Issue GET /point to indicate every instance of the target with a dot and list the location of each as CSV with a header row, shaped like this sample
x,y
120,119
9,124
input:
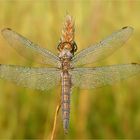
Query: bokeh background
x,y
108,112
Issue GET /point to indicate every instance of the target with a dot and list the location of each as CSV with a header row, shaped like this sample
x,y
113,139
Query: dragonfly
x,y
68,67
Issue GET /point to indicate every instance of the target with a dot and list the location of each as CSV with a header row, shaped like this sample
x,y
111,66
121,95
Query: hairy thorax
x,y
66,52
65,60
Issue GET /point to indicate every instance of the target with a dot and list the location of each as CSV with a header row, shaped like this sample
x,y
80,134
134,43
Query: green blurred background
x,y
108,112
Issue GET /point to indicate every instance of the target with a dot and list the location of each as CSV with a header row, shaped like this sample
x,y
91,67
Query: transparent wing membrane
x,y
100,76
46,78
37,78
103,49
28,49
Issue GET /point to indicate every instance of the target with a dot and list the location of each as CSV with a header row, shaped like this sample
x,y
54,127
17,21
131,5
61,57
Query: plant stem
x,y
55,119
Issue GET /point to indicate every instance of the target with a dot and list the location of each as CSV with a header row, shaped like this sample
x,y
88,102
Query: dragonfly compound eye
x,y
60,47
75,46
65,45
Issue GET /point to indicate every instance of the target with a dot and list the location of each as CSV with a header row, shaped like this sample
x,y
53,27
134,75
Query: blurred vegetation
x,y
108,112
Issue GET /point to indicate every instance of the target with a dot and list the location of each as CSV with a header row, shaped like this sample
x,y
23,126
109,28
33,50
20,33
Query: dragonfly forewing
x,y
37,78
28,49
87,78
102,49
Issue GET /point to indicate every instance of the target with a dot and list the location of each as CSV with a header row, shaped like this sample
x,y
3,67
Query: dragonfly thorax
x,y
65,54
65,65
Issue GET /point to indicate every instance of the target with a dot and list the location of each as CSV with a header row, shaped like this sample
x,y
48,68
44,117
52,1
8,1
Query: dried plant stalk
x,y
55,119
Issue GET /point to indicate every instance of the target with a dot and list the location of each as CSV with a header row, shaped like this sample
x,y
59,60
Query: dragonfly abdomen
x,y
66,89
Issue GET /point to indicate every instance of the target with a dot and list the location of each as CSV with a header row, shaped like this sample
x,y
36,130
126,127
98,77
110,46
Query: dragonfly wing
x,y
103,49
28,49
101,76
37,78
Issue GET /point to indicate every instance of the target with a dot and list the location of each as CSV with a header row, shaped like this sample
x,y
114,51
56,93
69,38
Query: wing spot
x,y
125,27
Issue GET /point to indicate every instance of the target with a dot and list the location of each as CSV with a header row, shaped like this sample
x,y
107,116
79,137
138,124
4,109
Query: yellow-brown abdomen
x,y
66,90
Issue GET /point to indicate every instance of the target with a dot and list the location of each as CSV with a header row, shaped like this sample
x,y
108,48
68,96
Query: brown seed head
x,y
68,30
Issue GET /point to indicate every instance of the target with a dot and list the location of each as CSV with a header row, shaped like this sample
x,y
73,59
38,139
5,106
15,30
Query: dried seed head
x,y
68,30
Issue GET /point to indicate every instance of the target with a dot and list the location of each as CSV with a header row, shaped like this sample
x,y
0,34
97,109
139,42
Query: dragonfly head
x,y
67,49
72,47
